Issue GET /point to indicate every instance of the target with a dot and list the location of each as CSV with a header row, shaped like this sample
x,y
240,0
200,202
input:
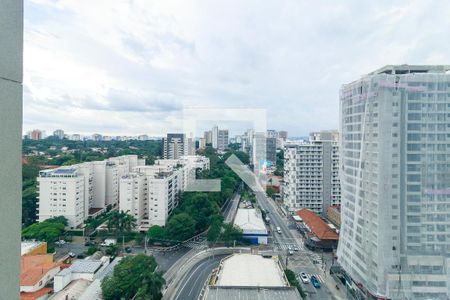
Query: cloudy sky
x,y
131,67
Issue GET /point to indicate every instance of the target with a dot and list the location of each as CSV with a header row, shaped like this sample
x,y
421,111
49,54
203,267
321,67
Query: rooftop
x,y
407,69
251,271
27,246
249,219
34,267
245,293
317,226
85,266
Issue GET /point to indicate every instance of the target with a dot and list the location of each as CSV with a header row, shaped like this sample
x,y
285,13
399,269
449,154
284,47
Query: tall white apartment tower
x,y
395,179
311,173
61,193
215,137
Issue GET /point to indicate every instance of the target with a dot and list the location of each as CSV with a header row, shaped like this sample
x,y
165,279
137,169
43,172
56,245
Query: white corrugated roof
x,y
250,270
249,219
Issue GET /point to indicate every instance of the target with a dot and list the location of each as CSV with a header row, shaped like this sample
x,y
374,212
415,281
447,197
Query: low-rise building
x,y
252,225
334,214
36,272
84,270
318,233
249,276
32,248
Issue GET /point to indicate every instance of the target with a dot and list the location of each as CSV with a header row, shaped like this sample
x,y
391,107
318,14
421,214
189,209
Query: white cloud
x,y
130,66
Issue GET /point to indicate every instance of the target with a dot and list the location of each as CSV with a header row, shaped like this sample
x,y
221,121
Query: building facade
x,y
59,133
174,146
395,174
222,140
311,174
80,190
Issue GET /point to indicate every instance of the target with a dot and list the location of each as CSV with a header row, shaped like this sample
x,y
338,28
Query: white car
x,y
304,278
60,242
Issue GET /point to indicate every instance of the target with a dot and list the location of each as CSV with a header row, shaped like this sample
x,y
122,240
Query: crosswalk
x,y
285,246
198,245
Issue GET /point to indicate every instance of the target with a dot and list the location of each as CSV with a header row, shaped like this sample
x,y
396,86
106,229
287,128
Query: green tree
x,y
48,231
134,276
290,275
270,191
120,222
156,233
230,233
180,227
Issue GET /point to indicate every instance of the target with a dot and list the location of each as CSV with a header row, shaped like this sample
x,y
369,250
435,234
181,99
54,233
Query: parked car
x,y
304,278
60,242
296,248
290,252
315,282
108,242
71,254
128,249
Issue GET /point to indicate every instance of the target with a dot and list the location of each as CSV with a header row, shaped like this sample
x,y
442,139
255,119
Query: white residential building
x,y
164,185
395,177
133,195
61,193
215,137
81,190
311,173
159,187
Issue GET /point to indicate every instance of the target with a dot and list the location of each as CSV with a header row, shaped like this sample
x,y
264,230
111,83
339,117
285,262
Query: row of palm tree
x,y
120,222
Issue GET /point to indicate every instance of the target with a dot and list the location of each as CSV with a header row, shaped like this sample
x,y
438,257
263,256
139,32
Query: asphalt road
x,y
298,262
192,285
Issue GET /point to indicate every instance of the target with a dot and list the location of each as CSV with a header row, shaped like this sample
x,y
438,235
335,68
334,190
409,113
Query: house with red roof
x,y
318,233
36,272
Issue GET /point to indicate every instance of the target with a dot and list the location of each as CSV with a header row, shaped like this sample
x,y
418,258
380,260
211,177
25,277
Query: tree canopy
x,y
134,276
48,231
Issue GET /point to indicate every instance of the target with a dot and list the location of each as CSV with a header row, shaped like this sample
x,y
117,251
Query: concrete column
x,y
11,49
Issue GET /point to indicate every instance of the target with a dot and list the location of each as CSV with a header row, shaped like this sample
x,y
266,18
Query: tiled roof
x,y
35,295
317,225
34,267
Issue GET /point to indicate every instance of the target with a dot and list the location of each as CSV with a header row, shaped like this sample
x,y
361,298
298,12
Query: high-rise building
x,y
59,133
97,137
75,137
133,193
263,151
174,146
190,145
222,140
311,173
395,176
215,137
166,179
202,143
271,151
208,137
36,134
281,139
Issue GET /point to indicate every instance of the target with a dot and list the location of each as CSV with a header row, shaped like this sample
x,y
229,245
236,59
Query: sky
x,y
133,67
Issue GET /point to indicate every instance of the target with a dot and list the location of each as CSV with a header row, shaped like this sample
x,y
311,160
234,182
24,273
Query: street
x,y
192,285
302,260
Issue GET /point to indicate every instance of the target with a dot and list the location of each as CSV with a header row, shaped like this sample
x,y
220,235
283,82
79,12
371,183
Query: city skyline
x,y
154,60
